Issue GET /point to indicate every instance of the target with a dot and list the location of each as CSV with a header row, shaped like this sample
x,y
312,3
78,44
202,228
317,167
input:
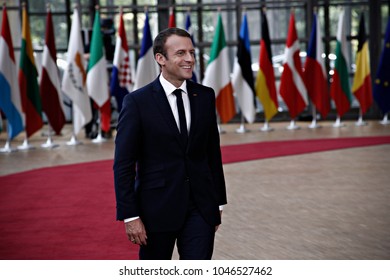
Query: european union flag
x,y
382,79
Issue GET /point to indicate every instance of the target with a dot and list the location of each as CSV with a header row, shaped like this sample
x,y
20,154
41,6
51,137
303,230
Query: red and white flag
x,y
121,82
292,86
52,104
172,18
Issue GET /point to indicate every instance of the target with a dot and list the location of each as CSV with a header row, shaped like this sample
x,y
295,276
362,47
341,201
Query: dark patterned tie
x,y
182,116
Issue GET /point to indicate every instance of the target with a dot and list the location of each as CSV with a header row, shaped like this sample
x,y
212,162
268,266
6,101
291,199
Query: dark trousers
x,y
195,241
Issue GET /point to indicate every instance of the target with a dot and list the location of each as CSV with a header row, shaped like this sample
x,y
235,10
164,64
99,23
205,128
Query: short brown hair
x,y
161,38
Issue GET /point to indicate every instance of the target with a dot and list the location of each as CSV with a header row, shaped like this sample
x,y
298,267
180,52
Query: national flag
x,y
188,27
217,75
10,102
292,86
314,71
362,87
265,80
147,68
97,76
172,19
242,78
50,88
121,82
28,81
73,82
340,89
382,79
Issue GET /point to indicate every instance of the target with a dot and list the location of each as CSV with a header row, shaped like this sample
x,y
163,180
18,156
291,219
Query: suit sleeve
x,y
127,143
215,157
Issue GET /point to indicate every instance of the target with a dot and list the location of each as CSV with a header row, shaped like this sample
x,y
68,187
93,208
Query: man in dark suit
x,y
169,180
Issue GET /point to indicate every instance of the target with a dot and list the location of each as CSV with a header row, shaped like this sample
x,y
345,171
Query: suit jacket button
x,y
187,179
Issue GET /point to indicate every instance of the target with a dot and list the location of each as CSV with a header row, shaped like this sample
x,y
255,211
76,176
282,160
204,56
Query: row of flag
x,y
23,100
300,84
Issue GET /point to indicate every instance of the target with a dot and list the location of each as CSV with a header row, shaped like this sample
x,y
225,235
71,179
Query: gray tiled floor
x,y
328,205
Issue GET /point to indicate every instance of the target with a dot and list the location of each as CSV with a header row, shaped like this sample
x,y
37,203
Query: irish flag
x,y
340,89
28,81
217,75
265,80
361,86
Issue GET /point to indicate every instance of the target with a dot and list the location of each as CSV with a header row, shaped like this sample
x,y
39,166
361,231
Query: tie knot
x,y
177,92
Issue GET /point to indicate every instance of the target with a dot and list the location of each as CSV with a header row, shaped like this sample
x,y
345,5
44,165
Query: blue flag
x,y
121,81
10,99
147,67
382,79
191,32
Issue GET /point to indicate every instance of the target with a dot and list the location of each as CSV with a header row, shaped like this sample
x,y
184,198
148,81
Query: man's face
x,y
179,60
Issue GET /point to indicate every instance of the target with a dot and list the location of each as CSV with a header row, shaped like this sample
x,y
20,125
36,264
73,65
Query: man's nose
x,y
189,56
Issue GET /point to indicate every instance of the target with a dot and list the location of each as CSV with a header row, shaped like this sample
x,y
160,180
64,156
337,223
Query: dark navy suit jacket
x,y
155,174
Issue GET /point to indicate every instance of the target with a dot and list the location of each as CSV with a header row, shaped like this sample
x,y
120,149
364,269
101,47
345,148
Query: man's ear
x,y
160,59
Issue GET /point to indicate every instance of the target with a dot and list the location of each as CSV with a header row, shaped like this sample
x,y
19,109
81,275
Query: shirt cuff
x,y
130,219
220,207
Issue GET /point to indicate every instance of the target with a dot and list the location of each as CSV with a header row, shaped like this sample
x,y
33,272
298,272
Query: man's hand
x,y
216,227
135,231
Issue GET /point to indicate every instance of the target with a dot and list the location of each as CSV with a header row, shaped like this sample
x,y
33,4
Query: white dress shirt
x,y
169,89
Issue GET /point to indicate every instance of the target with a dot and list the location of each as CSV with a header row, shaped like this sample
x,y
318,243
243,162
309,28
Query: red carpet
x,y
262,150
68,212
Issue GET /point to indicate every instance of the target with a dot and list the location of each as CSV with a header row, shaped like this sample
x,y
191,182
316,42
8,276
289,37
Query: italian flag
x,y
217,75
28,81
97,75
340,89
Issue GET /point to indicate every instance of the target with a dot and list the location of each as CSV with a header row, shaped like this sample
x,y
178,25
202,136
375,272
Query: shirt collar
x,y
169,88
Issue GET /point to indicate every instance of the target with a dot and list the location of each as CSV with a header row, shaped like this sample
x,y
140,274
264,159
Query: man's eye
x,y
181,53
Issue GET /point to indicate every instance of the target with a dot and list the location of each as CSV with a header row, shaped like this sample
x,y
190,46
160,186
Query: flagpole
x,y
242,128
360,121
73,140
7,147
220,129
385,120
338,122
26,145
314,121
266,127
99,138
49,144
292,125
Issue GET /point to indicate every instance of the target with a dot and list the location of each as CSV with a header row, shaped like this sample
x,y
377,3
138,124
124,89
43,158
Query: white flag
x,y
74,80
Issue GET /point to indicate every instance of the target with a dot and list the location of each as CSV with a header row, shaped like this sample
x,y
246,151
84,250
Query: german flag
x,y
265,80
